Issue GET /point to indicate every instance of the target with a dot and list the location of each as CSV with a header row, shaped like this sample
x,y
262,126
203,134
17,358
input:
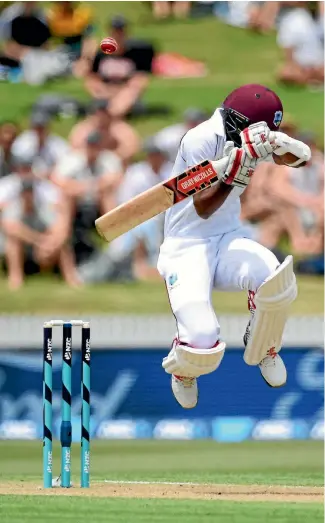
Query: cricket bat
x,y
158,199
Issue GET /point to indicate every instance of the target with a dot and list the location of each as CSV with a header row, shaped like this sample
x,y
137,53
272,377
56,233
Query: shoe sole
x,y
186,408
273,386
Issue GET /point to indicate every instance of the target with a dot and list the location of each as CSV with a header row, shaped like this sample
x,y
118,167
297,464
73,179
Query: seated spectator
x,y
71,23
162,10
263,16
118,136
22,27
25,53
298,199
134,254
303,50
47,148
259,16
123,76
36,225
8,134
169,138
89,179
257,202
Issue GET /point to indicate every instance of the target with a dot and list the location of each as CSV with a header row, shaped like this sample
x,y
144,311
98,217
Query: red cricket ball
x,y
108,45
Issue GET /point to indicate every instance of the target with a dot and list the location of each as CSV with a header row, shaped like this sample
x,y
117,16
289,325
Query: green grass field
x,y
259,469
233,56
18,509
43,295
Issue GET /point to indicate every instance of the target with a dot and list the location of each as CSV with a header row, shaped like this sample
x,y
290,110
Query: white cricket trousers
x,y
191,268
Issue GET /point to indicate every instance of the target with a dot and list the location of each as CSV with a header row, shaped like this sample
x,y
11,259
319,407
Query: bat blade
x,y
158,199
134,212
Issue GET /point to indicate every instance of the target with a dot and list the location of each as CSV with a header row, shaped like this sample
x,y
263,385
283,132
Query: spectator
x,y
8,134
263,16
169,138
133,255
142,175
257,202
162,10
71,23
47,148
303,50
298,204
122,77
118,136
89,179
260,16
26,53
36,225
23,27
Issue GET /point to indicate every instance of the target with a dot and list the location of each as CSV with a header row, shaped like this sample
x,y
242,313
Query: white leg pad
x,y
192,363
272,301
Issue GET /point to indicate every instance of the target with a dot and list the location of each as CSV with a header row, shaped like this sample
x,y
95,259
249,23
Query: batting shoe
x,y
185,391
273,369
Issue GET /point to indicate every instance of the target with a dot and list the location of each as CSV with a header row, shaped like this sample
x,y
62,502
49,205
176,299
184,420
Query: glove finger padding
x,y
255,140
284,144
239,169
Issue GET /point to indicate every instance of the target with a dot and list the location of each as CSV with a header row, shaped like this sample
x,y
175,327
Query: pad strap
x,y
190,362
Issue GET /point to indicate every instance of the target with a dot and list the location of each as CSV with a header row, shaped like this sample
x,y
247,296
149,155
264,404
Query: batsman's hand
x,y
240,166
256,141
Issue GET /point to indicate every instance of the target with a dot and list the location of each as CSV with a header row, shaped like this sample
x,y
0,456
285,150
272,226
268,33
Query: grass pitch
x,y
243,483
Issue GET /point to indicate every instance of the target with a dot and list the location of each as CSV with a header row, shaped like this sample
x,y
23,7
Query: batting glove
x,y
255,141
240,166
284,144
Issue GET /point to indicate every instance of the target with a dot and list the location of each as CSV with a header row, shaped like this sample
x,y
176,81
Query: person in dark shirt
x,y
122,77
22,27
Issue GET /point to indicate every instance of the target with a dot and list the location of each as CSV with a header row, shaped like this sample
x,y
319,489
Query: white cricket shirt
x,y
204,142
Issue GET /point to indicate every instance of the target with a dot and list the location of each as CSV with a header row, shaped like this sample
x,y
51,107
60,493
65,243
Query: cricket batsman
x,y
205,246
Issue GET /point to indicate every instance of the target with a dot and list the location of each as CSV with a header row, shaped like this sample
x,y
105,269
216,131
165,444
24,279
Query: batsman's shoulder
x,y
200,142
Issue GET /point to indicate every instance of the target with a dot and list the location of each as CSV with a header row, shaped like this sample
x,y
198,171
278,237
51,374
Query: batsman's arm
x,y
207,202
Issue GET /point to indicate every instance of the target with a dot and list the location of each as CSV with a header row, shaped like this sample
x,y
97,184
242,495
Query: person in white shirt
x,y
169,138
89,179
91,175
134,254
36,225
300,39
118,135
205,245
47,148
8,134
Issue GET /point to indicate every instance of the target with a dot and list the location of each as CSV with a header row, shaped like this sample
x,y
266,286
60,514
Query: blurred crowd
x,y
299,27
52,189
40,43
